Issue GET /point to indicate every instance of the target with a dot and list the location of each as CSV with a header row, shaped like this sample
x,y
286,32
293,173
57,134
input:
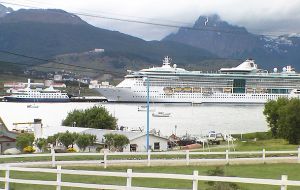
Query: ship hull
x,y
157,95
15,99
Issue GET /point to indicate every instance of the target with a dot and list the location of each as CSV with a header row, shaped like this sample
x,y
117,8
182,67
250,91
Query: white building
x,y
95,84
49,83
137,139
98,50
57,77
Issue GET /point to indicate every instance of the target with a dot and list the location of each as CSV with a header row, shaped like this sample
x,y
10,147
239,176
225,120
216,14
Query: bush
x,y
283,117
71,150
85,140
28,149
116,141
215,185
24,139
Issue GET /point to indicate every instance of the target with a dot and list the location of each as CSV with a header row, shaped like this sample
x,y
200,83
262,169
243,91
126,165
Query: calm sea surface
x,y
196,120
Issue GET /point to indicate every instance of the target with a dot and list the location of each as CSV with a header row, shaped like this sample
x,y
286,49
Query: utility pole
x,y
78,87
148,123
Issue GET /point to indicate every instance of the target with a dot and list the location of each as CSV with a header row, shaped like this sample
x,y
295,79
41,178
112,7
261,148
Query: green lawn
x,y
271,144
272,171
253,145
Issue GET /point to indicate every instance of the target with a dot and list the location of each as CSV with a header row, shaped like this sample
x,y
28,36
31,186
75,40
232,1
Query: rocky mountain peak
x,y
214,22
5,10
215,35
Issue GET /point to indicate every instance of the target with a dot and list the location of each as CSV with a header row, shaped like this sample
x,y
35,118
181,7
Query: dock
x,y
88,99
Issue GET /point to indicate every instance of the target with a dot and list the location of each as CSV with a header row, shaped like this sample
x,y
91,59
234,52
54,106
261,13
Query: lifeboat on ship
x,y
196,90
227,90
177,89
187,89
168,90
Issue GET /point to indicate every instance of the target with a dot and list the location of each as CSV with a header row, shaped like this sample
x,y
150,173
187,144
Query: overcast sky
x,y
258,16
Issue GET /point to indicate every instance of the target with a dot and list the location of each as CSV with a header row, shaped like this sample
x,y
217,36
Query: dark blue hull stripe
x,y
13,99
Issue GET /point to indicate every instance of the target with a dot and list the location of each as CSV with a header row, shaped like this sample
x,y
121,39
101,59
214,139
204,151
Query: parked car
x,y
215,138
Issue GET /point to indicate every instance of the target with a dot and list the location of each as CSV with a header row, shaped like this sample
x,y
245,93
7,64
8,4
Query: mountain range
x,y
55,33
230,41
210,44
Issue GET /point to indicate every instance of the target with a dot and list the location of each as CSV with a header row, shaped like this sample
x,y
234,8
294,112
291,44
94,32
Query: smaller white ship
x,y
32,106
37,95
161,114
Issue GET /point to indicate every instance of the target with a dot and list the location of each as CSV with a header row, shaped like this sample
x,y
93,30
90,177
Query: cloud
x,y
267,16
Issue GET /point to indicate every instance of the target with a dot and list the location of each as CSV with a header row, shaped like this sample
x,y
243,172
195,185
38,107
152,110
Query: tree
x,y
95,117
271,111
24,139
116,141
85,140
283,117
52,140
120,142
41,143
67,138
109,140
289,121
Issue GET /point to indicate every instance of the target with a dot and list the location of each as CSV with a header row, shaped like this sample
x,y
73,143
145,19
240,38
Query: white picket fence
x,y
223,157
283,183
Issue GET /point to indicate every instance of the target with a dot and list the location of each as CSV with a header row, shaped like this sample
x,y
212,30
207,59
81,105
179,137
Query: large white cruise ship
x,y
170,84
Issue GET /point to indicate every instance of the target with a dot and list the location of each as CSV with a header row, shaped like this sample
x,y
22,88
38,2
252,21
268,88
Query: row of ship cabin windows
x,y
42,96
248,97
146,91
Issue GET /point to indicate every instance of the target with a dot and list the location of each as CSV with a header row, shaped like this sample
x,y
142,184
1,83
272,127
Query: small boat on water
x,y
32,106
196,103
144,108
161,114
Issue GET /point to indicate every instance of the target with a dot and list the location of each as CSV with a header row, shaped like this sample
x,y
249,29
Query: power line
x,y
207,28
60,63
111,13
23,64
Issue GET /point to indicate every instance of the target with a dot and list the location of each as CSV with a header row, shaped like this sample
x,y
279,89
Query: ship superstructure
x,y
37,95
168,83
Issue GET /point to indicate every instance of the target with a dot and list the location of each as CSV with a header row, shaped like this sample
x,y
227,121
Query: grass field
x,y
272,171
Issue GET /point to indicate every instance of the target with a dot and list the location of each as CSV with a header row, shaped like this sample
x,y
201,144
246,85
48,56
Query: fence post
x,y
53,156
58,178
227,157
195,180
7,178
105,158
264,155
298,154
187,157
129,178
149,158
283,182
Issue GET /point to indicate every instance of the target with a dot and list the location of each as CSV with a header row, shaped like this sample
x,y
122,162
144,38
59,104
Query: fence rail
x,y
184,157
283,183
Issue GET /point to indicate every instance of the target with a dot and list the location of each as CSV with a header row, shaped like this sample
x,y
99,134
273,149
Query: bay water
x,y
191,119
